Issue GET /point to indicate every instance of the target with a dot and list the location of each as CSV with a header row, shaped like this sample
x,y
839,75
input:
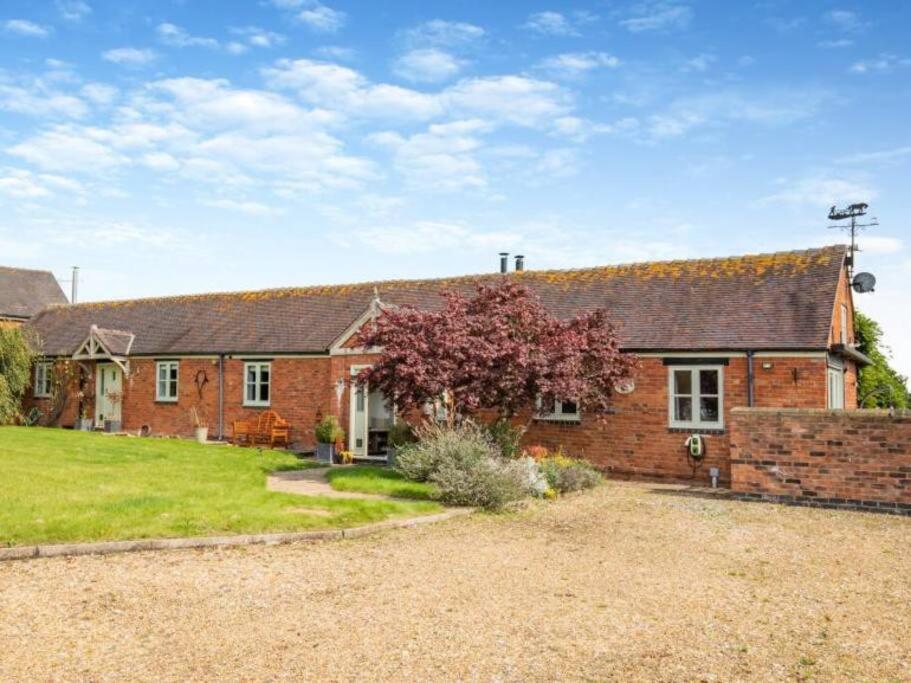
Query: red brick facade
x,y
820,457
635,440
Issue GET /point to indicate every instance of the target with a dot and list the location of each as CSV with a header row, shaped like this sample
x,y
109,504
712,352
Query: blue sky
x,y
183,146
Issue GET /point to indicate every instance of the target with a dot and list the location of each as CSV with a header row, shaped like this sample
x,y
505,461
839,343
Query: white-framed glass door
x,y
370,419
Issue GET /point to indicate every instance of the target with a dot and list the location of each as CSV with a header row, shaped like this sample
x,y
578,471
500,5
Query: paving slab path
x,y
312,482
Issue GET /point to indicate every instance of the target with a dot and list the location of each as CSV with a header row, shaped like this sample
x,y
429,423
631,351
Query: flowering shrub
x,y
438,444
537,452
565,474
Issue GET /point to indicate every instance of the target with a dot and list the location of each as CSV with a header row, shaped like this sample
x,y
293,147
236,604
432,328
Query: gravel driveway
x,y
630,582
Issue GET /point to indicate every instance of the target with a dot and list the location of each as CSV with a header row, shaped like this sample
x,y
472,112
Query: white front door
x,y
357,437
108,392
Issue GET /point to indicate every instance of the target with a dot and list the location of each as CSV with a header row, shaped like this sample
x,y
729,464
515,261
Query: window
x,y
696,397
567,411
43,375
844,324
257,380
836,385
166,386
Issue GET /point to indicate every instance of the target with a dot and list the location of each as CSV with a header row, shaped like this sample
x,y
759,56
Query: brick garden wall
x,y
858,459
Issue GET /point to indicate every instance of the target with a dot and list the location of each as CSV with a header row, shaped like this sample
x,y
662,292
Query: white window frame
x,y
560,413
43,384
257,383
167,365
835,388
696,423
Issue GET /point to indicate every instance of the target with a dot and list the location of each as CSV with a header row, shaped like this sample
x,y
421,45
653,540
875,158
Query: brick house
x,y
24,292
770,330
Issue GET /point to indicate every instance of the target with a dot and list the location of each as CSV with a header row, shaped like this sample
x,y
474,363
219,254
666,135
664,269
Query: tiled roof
x,y
769,301
25,292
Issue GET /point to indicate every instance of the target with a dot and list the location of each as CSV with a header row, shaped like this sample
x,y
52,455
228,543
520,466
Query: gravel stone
x,y
628,582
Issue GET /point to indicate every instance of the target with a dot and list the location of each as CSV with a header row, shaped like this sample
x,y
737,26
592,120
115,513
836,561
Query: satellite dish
x,y
863,283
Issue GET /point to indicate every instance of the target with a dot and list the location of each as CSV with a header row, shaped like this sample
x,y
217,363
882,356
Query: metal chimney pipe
x,y
504,261
520,263
74,291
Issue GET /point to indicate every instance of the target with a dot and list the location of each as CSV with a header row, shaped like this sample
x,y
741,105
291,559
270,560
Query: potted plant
x,y
83,423
200,426
115,398
400,434
328,434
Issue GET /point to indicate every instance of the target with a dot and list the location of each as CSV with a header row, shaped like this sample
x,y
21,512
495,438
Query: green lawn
x,y
60,486
381,480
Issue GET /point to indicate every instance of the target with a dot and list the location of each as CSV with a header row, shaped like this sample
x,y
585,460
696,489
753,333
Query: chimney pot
x,y
504,261
520,263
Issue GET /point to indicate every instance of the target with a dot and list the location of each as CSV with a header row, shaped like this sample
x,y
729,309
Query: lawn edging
x,y
28,552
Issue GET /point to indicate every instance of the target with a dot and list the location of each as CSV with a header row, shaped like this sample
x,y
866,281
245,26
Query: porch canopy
x,y
106,345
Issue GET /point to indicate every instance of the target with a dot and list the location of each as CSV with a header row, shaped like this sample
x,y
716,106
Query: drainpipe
x,y
221,396
749,379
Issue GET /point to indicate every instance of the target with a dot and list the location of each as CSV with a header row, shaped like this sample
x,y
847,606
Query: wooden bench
x,y
269,429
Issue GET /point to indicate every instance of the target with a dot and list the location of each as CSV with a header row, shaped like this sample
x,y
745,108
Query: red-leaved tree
x,y
500,350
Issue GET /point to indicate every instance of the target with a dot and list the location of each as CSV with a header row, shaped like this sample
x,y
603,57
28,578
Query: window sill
x,y
555,419
256,405
167,401
696,430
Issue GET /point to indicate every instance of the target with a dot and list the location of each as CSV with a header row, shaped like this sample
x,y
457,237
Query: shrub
x,y
566,474
437,444
506,438
400,434
486,482
537,452
16,356
328,430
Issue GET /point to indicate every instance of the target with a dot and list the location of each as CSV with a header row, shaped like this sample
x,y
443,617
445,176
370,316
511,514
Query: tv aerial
x,y
862,282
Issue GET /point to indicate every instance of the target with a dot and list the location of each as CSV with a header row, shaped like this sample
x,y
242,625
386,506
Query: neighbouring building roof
x,y
769,301
25,292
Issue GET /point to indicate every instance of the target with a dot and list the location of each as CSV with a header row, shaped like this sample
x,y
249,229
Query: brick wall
x,y
819,457
635,439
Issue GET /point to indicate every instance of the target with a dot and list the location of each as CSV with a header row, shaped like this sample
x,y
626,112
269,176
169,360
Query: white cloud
x,y
835,44
36,99
438,32
99,93
130,56
550,23
440,158
336,52
23,27
22,184
428,235
579,130
427,66
339,88
73,10
321,18
658,15
175,36
845,20
258,37
770,108
573,64
112,233
517,100
68,148
882,64
821,191
885,156
248,207
700,63
879,244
